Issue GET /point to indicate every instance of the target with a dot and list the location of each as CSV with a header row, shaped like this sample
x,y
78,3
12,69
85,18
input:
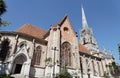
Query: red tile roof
x,y
83,49
32,31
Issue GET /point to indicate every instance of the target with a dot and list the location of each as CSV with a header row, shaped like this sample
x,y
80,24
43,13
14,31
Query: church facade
x,y
32,52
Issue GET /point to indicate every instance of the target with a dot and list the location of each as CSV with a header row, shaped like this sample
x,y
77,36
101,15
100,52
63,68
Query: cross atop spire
x,y
84,21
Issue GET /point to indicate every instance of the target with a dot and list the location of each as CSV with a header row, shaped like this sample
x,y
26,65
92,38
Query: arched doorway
x,y
18,64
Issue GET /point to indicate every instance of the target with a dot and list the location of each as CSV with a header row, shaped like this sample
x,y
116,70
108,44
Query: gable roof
x,y
22,35
60,23
63,20
83,49
32,31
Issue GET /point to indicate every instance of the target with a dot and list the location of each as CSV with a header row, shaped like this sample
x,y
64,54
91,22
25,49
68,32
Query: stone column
x,y
26,68
104,65
10,65
13,44
99,68
84,65
102,68
96,67
76,52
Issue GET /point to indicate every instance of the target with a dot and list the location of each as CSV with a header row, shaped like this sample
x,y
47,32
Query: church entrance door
x,y
88,75
18,64
18,68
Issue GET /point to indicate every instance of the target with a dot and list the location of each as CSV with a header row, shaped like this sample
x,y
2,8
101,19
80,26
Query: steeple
x,y
84,21
86,35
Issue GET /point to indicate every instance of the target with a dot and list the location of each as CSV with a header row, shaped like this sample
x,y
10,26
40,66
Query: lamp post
x,y
54,62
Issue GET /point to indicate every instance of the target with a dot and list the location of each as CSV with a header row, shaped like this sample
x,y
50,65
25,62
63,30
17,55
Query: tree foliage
x,y
2,11
106,75
2,7
64,74
5,76
114,69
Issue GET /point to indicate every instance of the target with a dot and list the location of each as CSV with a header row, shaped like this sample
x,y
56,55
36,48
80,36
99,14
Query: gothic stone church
x,y
32,52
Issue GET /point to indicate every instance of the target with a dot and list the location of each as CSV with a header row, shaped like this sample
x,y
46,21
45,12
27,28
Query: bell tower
x,y
86,35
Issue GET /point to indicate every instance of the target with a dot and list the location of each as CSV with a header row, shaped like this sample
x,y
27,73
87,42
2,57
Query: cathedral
x,y
32,52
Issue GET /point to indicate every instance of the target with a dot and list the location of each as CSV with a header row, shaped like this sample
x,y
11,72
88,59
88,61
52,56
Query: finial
x,y
66,14
104,50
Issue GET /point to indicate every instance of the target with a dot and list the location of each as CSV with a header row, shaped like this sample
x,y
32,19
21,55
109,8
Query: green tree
x,y
115,70
2,7
64,74
106,75
4,76
2,11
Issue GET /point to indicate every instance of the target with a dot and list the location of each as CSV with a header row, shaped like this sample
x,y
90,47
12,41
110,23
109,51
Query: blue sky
x,y
103,17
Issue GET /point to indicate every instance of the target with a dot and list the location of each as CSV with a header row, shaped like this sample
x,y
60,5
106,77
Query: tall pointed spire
x,y
84,21
86,34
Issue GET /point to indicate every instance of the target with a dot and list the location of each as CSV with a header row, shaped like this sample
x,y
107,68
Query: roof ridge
x,y
32,30
28,24
83,48
62,20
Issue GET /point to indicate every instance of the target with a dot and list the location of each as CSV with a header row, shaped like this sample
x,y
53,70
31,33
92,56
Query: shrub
x,y
4,76
64,74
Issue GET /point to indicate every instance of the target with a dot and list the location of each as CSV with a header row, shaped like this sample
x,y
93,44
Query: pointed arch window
x,y
91,39
81,66
37,56
84,41
98,69
4,49
93,67
22,44
87,62
102,67
88,66
66,54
